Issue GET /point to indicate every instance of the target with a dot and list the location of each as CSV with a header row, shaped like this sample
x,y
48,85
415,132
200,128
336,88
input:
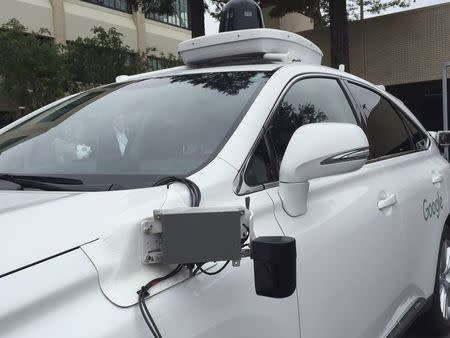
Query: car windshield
x,y
132,134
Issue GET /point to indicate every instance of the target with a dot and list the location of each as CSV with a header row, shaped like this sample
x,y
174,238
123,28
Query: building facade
x,y
404,51
68,19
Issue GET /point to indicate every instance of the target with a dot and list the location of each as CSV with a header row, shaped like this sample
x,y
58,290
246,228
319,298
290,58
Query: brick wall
x,y
405,47
294,22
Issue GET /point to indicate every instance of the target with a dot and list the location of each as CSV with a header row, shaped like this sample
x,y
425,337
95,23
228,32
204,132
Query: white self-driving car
x,y
252,121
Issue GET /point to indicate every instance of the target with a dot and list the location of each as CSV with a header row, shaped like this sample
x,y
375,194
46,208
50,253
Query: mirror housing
x,y
318,150
275,266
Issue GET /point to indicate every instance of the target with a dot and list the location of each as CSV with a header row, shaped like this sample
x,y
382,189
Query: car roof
x,y
296,68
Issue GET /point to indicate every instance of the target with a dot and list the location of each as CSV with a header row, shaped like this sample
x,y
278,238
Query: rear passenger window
x,y
419,139
384,128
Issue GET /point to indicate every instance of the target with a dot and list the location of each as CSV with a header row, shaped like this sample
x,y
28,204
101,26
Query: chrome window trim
x,y
347,156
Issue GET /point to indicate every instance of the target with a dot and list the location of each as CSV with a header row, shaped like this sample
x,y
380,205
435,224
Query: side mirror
x,y
318,150
275,266
443,138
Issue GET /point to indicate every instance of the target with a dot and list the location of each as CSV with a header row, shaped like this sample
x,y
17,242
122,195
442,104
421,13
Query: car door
x,y
427,210
417,181
347,282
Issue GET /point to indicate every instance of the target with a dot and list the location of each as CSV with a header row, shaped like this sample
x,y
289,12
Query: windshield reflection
x,y
225,83
133,133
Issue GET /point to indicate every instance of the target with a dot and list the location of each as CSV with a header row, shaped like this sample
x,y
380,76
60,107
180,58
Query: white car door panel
x,y
415,173
338,277
347,246
425,206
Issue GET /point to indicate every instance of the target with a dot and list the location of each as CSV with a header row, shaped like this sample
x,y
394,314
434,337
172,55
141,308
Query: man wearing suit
x,y
113,144
121,131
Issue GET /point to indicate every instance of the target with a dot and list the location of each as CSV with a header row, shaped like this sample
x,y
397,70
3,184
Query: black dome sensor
x,y
241,14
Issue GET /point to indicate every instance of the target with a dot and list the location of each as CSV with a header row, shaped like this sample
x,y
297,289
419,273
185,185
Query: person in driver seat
x,y
113,142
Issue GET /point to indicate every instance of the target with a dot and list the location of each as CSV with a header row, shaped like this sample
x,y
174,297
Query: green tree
x,y
357,8
165,60
226,83
32,72
98,59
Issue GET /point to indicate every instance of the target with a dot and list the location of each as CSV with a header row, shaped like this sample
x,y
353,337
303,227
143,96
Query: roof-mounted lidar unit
x,y
241,14
244,40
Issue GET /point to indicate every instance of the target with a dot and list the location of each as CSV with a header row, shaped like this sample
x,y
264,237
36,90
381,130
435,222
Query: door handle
x,y
387,202
437,178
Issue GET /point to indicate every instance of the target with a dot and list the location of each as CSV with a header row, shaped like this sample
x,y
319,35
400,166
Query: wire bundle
x,y
143,306
194,190
196,196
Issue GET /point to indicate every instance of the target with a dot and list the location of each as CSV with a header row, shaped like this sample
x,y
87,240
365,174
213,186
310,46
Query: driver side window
x,y
311,100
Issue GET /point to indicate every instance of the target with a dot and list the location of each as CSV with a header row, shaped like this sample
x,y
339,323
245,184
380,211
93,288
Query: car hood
x,y
37,225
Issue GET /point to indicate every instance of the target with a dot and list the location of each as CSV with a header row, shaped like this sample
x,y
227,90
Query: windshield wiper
x,y
51,183
46,179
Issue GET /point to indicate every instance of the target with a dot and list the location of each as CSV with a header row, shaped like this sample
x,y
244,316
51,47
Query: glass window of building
x,y
120,5
155,64
179,18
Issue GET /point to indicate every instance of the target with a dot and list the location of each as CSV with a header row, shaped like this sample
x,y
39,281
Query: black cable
x,y
195,197
246,237
151,318
194,190
199,268
160,279
153,327
144,312
247,228
143,292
